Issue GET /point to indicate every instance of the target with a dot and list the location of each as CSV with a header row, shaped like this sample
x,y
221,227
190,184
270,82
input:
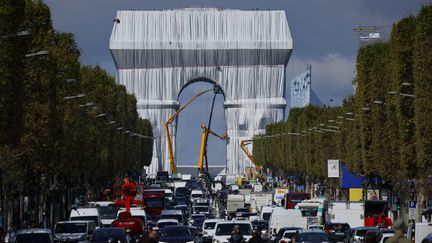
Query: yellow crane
x,y
243,144
168,123
203,147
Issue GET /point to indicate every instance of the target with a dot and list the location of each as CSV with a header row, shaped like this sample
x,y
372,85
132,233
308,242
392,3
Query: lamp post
x,y
39,53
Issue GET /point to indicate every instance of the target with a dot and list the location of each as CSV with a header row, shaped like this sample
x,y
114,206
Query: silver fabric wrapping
x,y
157,53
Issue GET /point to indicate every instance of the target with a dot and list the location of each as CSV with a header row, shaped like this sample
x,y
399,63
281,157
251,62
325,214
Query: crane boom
x,y
243,145
203,147
170,120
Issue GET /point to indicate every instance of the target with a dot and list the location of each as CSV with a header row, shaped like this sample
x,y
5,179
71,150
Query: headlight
x,y
190,242
216,241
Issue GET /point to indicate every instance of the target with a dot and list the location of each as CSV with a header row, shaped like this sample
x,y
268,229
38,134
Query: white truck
x,y
346,212
314,210
422,230
178,184
186,177
234,201
281,218
259,200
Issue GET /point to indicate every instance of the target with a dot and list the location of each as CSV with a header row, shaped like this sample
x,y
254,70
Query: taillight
x,y
283,241
329,231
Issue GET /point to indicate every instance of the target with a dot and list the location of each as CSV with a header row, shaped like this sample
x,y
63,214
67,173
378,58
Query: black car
x,y
198,222
337,231
178,234
103,235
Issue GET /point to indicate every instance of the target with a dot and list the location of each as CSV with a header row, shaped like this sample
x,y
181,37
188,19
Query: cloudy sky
x,y
321,30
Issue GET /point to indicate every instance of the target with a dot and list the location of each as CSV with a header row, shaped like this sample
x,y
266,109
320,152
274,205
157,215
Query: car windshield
x,y
84,218
297,197
196,216
361,232
154,202
33,238
313,237
289,235
141,217
309,211
263,225
196,195
209,225
176,232
338,227
163,224
108,212
70,228
179,217
227,229
106,234
182,190
242,210
266,216
201,209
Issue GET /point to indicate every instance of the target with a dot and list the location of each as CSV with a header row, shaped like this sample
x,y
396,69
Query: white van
x,y
196,194
266,213
81,231
89,213
107,210
281,218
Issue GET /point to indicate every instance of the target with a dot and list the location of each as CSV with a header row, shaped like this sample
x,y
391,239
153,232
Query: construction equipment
x,y
168,123
243,145
203,147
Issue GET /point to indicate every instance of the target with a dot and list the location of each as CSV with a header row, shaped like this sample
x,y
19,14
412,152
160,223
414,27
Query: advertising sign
x,y
333,168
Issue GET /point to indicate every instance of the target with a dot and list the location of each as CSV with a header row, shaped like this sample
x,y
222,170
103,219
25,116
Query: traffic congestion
x,y
223,209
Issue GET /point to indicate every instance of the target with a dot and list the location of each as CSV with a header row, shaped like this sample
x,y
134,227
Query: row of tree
x,y
384,130
56,144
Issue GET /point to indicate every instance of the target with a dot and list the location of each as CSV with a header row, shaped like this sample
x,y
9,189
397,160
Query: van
x,y
86,213
80,231
266,213
173,214
281,218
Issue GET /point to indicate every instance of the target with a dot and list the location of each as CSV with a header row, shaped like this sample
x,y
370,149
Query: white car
x,y
136,212
287,236
385,237
208,229
166,222
169,194
86,213
224,229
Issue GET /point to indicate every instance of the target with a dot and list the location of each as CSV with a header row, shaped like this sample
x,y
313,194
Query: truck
x,y
186,177
314,210
359,214
279,195
154,203
234,201
281,218
292,198
259,200
422,230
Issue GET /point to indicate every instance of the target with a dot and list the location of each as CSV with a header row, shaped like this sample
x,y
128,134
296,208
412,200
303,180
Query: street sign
x,y
333,168
412,205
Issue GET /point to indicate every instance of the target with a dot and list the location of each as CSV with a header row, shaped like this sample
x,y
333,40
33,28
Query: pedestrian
x,y
11,235
129,237
400,228
370,238
256,237
236,236
152,237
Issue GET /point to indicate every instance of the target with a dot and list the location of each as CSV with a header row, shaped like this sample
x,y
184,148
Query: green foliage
x,y
383,129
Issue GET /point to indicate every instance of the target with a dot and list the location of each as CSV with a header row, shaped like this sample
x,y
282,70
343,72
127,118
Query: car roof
x,y
34,231
110,229
234,222
167,221
172,211
212,220
75,221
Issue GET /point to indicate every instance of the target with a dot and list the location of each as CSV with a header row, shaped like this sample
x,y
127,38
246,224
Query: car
x,y
81,231
198,222
184,209
136,212
166,222
385,236
223,230
208,229
316,227
337,231
261,226
196,194
179,234
109,234
201,209
107,210
195,216
313,236
288,235
357,234
169,194
281,232
34,235
173,214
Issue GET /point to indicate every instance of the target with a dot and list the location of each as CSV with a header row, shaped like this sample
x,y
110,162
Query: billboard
x,y
333,168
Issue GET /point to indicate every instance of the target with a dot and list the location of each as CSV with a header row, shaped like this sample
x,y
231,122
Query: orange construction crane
x,y
203,147
243,144
168,123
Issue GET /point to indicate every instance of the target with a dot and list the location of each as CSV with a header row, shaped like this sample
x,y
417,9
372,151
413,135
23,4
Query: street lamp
x,y
74,97
407,95
101,115
87,104
366,108
39,53
111,122
379,102
406,84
